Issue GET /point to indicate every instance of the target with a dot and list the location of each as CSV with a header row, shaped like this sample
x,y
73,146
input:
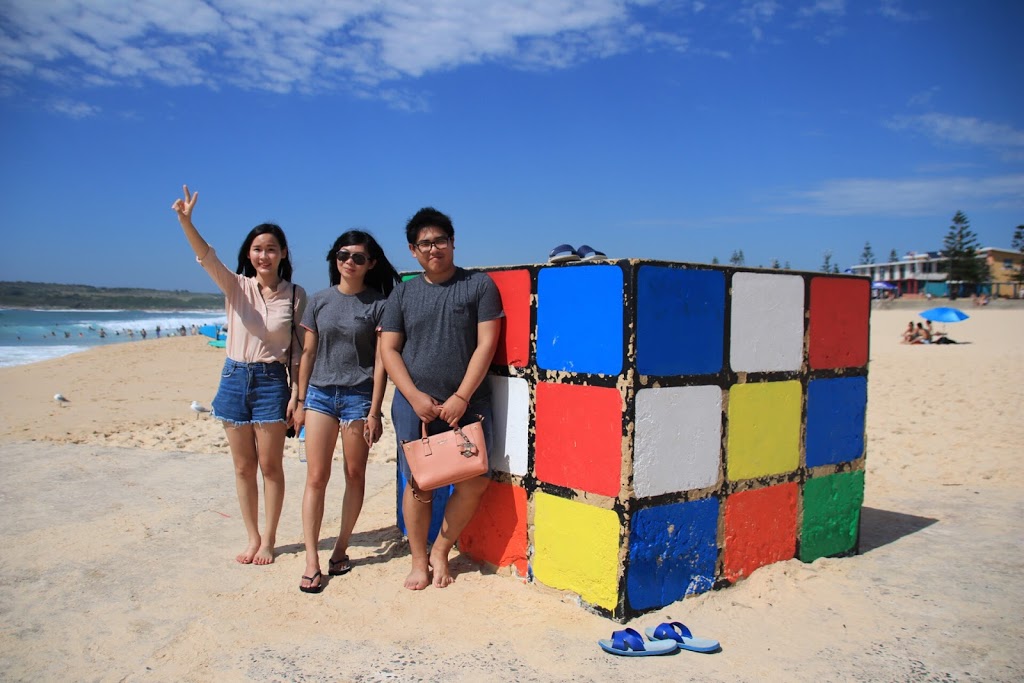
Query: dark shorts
x,y
407,426
344,404
251,393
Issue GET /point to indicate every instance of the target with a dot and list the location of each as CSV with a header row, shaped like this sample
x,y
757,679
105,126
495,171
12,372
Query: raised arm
x,y
220,274
184,208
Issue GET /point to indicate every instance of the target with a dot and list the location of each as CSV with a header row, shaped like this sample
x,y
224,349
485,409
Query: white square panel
x,y
678,439
767,330
510,401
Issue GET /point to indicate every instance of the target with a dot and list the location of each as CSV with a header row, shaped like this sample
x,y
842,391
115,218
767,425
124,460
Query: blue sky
x,y
679,130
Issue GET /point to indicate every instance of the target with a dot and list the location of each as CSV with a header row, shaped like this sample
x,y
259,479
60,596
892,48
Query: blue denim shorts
x,y
407,426
344,404
252,393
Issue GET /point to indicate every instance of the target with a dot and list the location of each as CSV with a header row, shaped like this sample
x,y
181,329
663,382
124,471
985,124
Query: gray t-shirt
x,y
439,323
346,325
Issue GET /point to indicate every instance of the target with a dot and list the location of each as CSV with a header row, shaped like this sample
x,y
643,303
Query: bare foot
x,y
439,564
419,577
247,555
265,555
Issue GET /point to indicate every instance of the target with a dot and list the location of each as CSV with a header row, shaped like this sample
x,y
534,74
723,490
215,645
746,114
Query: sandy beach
x,y
121,527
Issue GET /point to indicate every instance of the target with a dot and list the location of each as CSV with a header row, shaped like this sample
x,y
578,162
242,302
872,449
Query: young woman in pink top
x,y
257,393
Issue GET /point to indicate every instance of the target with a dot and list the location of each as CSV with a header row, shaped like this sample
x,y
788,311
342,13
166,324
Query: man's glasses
x,y
358,258
438,243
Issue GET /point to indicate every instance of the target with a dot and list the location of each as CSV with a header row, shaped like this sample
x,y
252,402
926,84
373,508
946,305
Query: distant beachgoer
x,y
103,333
195,330
922,335
66,334
157,331
258,394
341,386
142,332
909,333
181,331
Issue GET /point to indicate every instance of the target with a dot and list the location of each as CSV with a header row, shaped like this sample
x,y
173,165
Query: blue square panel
x,y
835,420
580,319
680,321
672,552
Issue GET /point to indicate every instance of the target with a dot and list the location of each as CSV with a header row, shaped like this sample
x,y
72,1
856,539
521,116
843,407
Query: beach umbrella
x,y
882,285
944,314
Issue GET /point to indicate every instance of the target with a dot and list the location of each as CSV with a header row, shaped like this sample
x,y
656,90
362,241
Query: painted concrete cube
x,y
662,429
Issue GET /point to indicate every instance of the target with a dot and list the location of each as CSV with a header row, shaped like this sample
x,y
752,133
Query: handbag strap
x,y
423,427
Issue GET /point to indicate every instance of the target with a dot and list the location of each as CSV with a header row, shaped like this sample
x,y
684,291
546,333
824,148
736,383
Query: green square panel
x,y
831,515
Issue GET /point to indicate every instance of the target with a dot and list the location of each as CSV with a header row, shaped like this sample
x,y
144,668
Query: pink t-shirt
x,y
259,322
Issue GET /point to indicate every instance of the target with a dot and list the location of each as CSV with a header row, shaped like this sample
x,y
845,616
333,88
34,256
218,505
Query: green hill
x,y
50,295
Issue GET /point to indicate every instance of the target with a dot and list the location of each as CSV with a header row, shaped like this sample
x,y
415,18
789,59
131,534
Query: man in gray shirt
x,y
439,334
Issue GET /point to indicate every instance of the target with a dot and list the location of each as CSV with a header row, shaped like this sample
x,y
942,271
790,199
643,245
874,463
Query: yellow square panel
x,y
763,429
576,548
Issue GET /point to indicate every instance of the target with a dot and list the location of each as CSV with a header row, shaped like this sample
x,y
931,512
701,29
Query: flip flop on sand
x,y
562,254
311,588
629,643
679,634
344,568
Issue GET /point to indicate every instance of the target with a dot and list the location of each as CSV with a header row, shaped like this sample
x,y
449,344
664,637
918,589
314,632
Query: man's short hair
x,y
428,217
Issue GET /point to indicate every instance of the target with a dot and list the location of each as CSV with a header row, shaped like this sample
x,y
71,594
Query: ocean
x,y
29,335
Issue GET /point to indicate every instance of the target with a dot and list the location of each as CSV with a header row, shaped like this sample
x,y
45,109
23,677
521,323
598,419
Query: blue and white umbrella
x,y
882,285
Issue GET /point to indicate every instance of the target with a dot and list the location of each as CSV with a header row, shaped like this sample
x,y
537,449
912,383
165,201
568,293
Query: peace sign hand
x,y
184,207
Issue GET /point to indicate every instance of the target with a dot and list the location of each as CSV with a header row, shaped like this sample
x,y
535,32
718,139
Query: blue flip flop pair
x,y
564,253
664,639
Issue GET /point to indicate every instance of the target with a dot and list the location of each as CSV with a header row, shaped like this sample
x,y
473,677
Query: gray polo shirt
x,y
439,323
346,325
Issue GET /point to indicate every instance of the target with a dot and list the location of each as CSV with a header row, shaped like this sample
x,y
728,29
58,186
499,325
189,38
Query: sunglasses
x,y
358,258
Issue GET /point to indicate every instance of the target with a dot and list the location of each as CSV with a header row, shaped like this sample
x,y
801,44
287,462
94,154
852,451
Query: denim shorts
x,y
407,426
344,404
252,393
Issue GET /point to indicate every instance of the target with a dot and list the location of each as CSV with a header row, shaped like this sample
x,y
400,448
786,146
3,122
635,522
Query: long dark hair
x,y
284,269
383,277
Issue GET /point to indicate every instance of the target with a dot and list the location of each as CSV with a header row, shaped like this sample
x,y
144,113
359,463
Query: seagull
x,y
198,408
59,398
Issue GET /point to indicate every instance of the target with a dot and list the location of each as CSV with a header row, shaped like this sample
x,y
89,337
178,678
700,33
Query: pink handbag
x,y
447,458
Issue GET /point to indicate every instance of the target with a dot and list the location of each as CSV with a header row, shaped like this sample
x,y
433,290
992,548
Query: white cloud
x,y
963,130
305,45
906,196
74,110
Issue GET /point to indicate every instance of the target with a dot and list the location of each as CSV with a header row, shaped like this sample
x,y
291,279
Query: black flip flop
x,y
311,588
346,566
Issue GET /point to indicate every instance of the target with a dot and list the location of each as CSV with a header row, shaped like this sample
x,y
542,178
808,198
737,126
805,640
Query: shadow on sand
x,y
882,527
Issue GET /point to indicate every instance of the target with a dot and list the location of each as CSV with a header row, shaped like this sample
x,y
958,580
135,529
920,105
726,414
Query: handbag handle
x,y
469,449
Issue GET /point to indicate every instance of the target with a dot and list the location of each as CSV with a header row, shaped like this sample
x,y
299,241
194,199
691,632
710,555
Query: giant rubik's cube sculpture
x,y
665,428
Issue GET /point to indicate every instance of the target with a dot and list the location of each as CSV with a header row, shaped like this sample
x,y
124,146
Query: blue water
x,y
28,336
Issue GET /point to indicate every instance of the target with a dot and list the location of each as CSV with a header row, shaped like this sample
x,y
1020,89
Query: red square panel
x,y
514,342
760,528
579,437
840,308
497,532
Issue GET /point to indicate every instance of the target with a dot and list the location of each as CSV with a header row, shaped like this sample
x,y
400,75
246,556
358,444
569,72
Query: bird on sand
x,y
59,398
198,409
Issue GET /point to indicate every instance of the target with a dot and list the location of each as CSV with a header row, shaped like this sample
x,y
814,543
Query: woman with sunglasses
x,y
341,389
257,393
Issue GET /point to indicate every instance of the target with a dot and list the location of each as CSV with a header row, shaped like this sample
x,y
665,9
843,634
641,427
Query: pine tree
x,y
775,264
961,248
786,267
893,256
826,266
867,256
737,258
714,260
